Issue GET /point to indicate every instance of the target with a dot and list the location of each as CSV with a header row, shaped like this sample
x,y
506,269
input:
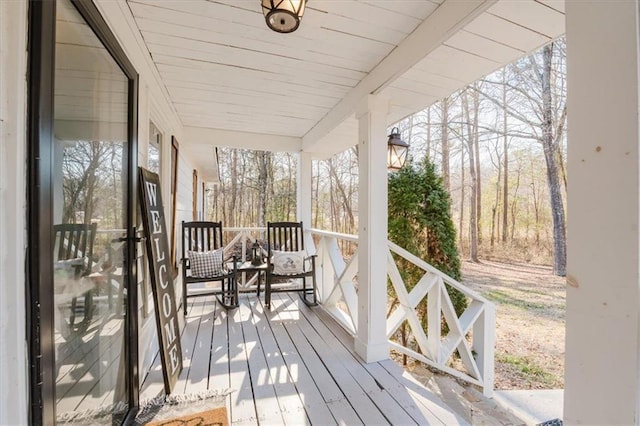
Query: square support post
x,y
304,195
602,379
371,338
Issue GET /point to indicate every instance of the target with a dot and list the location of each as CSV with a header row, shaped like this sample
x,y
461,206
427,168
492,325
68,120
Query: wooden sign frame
x,y
164,296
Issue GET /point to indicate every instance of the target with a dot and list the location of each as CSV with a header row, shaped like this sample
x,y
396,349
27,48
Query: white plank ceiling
x,y
225,70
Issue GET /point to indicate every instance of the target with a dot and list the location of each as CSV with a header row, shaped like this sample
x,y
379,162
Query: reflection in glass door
x,y
90,178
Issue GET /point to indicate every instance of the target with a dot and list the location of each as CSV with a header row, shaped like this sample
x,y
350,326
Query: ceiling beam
x,y
446,20
244,140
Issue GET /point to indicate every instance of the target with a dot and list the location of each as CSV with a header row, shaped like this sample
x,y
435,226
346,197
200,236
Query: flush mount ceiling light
x,y
396,150
283,16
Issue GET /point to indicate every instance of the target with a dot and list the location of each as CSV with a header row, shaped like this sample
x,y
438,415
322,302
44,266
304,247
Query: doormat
x,y
183,409
215,417
156,410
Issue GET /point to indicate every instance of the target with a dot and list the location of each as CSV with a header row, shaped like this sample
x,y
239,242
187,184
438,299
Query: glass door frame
x,y
39,265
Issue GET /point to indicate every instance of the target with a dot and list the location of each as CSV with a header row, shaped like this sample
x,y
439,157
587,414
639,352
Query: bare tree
x,y
446,174
505,150
473,212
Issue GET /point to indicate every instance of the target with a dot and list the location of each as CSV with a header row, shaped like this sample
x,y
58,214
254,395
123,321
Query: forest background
x,y
499,144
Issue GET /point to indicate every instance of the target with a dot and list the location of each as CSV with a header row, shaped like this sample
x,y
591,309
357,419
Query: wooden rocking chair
x,y
199,242
287,260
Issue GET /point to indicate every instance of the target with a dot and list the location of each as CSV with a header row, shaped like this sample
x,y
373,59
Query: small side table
x,y
258,269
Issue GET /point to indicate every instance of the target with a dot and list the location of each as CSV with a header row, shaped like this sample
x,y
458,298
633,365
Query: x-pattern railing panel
x,y
435,350
340,287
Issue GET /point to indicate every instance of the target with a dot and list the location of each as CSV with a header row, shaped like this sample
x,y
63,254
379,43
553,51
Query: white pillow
x,y
288,262
205,264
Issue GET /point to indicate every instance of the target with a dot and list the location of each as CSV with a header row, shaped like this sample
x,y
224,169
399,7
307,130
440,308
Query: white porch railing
x,y
245,237
471,334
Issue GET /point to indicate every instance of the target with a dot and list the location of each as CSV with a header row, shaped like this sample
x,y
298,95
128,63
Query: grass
x,y
527,369
507,299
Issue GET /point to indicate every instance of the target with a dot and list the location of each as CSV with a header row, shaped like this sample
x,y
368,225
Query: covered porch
x,y
292,365
209,73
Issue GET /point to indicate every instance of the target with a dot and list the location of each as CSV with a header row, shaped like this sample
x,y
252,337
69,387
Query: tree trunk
x,y
494,209
346,200
462,183
476,144
317,197
445,144
553,179
428,145
505,166
473,218
514,205
234,188
263,177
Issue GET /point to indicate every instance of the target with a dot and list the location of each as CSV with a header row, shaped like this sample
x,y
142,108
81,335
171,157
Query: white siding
x,y
13,353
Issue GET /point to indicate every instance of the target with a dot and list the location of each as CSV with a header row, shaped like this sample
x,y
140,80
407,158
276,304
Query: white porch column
x,y
602,384
371,339
303,189
303,197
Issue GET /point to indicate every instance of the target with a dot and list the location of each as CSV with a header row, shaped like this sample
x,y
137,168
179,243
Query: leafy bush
x,y
420,222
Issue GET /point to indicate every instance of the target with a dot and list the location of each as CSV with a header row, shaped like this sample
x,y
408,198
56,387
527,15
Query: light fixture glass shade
x,y
396,150
283,16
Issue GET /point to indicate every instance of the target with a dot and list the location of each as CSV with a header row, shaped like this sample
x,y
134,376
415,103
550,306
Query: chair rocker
x,y
199,242
287,260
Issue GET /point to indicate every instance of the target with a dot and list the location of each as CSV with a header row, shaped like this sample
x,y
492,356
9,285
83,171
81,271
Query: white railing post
x,y
484,347
329,272
434,312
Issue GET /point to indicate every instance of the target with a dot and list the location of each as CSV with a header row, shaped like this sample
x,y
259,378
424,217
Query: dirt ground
x,y
530,322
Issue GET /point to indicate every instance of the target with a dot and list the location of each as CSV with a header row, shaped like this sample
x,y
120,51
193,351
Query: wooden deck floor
x,y
292,365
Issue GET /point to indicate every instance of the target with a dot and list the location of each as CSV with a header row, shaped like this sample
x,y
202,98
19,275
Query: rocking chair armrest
x,y
311,260
234,261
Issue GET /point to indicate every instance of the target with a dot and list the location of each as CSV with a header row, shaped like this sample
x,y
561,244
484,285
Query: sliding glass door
x,y
87,199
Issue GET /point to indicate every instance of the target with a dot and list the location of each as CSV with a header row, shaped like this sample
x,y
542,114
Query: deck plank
x,y
188,341
337,402
197,366
334,362
219,377
314,403
352,367
293,365
242,405
264,393
422,413
289,400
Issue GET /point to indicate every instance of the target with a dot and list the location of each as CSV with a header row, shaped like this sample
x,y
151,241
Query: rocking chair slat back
x,y
203,236
285,236
75,240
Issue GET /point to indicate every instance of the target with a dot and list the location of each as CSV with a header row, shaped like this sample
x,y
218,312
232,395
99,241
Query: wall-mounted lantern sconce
x,y
283,16
396,150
